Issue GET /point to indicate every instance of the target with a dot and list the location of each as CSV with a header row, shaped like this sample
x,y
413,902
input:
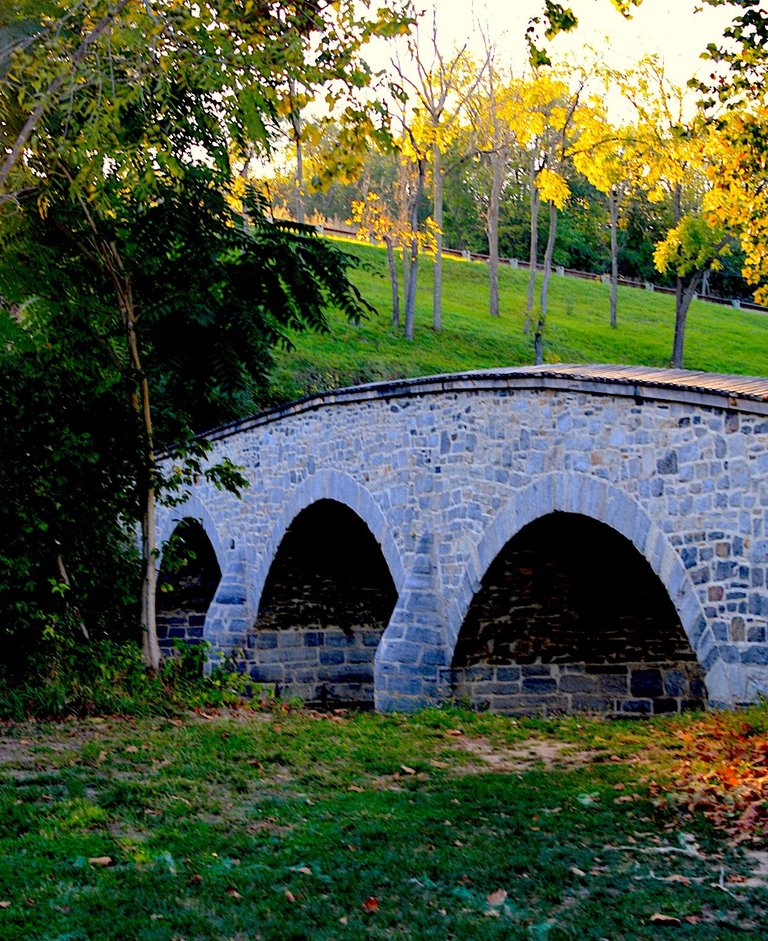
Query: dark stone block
x,y
266,673
636,707
690,557
664,705
667,464
676,683
692,705
196,620
435,656
313,638
539,684
536,669
578,683
330,657
646,683
580,703
755,655
697,688
337,639
507,674
613,683
266,640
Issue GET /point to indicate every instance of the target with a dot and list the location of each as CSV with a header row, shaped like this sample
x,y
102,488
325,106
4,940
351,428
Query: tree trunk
x,y
394,280
141,405
683,297
533,255
497,164
295,119
538,340
410,293
613,204
413,258
437,215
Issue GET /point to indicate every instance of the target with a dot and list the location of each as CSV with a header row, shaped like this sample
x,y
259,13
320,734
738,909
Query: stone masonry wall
x,y
445,471
627,689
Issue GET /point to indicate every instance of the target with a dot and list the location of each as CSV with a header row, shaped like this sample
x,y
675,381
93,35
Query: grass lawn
x,y
355,826
719,338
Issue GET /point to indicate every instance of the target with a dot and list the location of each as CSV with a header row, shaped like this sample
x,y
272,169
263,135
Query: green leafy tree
x,y
124,126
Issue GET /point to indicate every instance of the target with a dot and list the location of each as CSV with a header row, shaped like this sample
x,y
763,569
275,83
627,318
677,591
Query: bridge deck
x,y
739,393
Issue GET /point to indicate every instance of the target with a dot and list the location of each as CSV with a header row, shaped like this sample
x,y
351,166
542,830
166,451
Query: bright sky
x,y
669,28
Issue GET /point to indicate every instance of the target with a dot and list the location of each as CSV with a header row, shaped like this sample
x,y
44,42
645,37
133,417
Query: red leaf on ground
x,y
371,904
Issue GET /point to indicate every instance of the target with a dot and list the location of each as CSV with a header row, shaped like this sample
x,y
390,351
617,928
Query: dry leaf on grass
x,y
660,919
497,898
100,860
371,904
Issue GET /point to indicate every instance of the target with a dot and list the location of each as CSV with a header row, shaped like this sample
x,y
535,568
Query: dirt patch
x,y
520,757
758,860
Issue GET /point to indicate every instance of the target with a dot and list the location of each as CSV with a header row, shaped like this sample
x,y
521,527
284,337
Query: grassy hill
x,y
718,339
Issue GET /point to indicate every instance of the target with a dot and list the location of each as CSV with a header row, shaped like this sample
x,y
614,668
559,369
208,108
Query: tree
x,y
677,155
122,126
442,90
495,114
737,106
613,160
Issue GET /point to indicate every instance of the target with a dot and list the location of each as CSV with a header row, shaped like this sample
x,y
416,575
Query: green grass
x,y
286,826
719,338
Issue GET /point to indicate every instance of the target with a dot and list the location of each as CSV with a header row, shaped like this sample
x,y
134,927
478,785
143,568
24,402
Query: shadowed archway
x,y
189,576
571,617
325,604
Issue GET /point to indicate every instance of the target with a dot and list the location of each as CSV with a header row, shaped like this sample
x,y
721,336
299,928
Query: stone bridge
x,y
535,539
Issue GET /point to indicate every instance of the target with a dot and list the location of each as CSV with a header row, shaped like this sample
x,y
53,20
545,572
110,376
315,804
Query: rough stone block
x,y
578,683
646,683
539,684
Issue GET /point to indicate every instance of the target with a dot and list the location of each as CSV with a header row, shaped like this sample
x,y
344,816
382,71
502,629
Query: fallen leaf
x,y
356,789
195,880
131,749
100,860
497,898
304,870
677,877
371,904
5,904
577,872
406,770
343,920
660,919
693,919
289,896
454,732
232,892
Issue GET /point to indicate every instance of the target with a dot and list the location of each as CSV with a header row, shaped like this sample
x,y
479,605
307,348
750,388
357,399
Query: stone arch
x,y
326,485
601,502
327,597
184,597
192,508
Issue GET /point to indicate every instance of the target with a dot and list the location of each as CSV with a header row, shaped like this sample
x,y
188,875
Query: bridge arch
x,y
186,589
343,489
192,508
327,596
593,499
